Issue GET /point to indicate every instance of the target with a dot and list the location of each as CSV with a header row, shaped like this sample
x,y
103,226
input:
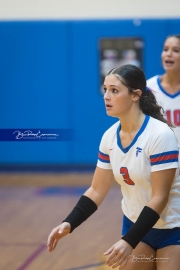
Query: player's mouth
x,y
169,62
108,106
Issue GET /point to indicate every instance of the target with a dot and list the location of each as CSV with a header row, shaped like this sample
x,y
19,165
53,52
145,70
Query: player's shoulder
x,y
158,127
153,79
159,135
109,136
157,123
154,84
111,131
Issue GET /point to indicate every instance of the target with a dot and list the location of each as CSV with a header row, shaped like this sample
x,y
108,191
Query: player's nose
x,y
106,96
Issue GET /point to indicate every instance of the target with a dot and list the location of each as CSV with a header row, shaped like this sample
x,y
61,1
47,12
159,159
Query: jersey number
x,y
174,117
125,174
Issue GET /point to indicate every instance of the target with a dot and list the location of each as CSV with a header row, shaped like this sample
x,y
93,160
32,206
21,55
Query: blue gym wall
x,y
49,78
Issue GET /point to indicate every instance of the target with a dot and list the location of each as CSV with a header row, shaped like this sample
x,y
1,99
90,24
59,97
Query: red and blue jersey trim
x,y
103,157
166,157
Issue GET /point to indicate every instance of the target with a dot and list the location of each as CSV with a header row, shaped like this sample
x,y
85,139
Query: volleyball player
x,y
167,86
140,152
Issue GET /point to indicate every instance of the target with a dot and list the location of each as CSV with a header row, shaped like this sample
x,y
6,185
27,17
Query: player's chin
x,y
169,67
109,110
110,113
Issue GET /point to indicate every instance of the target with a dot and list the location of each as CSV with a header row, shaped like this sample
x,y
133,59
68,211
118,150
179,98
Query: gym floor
x,y
32,204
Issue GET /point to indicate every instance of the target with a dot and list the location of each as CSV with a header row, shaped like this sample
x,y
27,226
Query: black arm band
x,y
146,220
84,208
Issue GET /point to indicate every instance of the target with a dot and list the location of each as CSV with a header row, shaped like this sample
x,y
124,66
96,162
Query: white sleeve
x,y
164,151
103,155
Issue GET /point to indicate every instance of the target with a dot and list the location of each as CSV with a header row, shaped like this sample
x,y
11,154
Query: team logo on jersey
x,y
138,150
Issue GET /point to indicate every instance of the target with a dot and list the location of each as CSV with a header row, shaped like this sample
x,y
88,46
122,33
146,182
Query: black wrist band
x,y
146,220
84,208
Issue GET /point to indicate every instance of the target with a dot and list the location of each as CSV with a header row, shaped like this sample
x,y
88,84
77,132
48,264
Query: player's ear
x,y
136,94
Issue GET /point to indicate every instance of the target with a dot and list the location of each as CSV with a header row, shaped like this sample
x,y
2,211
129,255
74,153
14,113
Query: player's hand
x,y
118,254
56,234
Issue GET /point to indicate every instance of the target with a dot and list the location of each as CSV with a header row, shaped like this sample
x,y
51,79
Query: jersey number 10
x,y
173,117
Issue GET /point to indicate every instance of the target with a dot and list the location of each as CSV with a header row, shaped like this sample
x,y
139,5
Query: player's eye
x,y
176,50
114,90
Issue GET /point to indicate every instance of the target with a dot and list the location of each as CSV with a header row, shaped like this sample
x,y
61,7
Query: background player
x,y
140,151
167,86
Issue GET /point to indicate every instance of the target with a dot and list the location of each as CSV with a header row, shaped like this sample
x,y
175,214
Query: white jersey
x,y
154,148
169,102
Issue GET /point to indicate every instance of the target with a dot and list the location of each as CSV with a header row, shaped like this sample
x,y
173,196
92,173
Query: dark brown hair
x,y
133,78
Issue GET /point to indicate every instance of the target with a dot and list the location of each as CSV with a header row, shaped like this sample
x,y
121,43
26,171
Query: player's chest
x,y
132,157
132,166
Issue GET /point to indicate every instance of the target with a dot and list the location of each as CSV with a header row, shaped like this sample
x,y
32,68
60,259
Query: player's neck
x,y
171,82
129,128
132,123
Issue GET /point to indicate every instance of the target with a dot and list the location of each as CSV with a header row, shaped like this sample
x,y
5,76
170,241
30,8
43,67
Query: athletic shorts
x,y
156,238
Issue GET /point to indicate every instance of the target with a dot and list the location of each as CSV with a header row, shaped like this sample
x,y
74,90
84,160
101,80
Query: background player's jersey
x,y
170,103
154,148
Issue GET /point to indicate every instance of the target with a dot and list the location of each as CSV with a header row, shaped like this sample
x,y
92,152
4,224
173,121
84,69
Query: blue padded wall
x,y
33,87
49,78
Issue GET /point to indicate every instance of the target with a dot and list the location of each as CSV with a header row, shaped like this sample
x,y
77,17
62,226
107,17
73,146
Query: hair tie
x,y
147,88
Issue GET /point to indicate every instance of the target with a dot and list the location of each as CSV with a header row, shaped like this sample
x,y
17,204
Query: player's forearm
x,y
100,186
158,203
95,195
